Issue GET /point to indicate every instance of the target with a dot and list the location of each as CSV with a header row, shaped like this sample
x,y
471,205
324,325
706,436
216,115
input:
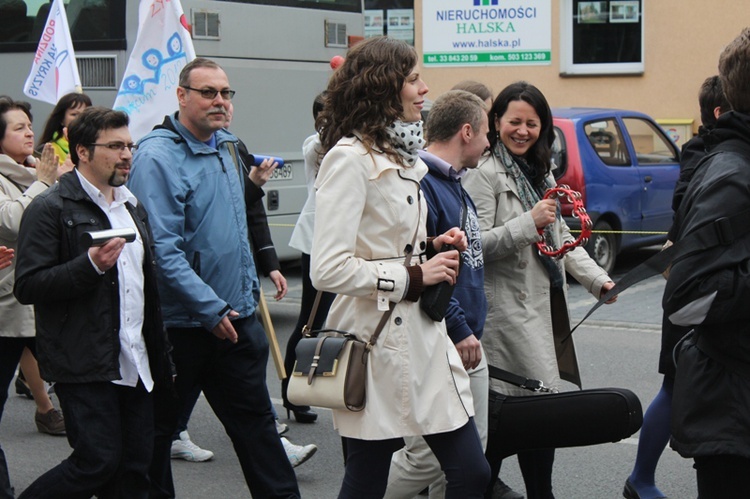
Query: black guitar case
x,y
568,419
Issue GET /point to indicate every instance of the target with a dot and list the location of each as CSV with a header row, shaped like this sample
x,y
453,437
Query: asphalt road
x,y
618,346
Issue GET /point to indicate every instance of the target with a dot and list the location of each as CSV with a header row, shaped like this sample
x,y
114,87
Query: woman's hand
x,y
6,256
544,213
46,168
65,167
454,237
605,288
441,267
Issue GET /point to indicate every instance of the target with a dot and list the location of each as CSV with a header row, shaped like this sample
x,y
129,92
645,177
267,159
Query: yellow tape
x,y
643,232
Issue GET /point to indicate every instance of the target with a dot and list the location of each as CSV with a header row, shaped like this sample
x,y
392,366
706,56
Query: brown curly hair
x,y
364,95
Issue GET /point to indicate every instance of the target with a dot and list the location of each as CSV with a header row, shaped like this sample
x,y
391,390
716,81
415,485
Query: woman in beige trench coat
x,y
19,184
527,317
369,207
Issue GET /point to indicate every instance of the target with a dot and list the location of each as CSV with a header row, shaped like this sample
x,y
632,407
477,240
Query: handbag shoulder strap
x,y
387,314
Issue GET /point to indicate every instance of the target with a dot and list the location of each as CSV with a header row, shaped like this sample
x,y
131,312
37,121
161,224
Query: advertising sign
x,y
486,32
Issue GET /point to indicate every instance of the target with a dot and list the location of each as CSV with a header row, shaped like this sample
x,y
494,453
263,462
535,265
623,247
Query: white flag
x,y
163,47
54,72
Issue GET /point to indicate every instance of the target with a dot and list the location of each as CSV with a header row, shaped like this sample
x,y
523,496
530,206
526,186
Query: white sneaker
x,y
281,428
298,454
183,448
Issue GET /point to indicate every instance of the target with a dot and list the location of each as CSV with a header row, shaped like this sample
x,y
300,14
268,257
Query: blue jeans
x,y
233,379
111,430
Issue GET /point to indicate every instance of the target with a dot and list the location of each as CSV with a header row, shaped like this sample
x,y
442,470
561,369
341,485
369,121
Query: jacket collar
x,y
441,168
382,163
172,128
730,125
70,187
18,174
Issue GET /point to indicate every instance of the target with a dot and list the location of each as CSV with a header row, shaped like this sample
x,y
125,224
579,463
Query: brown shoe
x,y
51,422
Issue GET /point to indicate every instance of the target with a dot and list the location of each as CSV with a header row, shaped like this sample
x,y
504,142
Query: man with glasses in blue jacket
x,y
188,176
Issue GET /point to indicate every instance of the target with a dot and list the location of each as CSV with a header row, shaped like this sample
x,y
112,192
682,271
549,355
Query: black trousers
x,y
233,379
723,477
10,353
111,430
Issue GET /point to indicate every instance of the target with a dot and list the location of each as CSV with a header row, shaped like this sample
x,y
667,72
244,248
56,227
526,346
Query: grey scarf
x,y
531,195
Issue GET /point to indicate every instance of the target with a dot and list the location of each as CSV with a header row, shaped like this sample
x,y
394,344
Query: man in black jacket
x,y
710,291
99,331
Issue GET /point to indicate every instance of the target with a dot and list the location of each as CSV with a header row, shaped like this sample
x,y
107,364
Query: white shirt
x,y
133,355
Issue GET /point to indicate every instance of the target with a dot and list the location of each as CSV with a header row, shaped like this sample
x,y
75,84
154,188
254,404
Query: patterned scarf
x,y
407,139
530,195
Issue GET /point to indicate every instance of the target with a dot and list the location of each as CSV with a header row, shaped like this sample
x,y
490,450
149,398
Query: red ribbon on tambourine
x,y
573,197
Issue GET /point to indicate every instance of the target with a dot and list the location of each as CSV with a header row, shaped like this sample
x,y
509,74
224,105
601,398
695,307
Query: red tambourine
x,y
573,197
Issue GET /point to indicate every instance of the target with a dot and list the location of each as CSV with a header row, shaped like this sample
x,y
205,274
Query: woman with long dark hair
x,y
65,111
369,208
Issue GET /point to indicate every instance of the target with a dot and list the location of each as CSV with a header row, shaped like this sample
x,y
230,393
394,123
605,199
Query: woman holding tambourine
x,y
527,328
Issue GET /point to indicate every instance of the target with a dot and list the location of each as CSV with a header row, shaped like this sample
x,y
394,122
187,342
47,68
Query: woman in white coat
x,y
527,317
369,207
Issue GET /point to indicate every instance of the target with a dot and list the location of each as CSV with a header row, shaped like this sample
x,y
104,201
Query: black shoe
x,y
302,414
629,492
22,388
502,490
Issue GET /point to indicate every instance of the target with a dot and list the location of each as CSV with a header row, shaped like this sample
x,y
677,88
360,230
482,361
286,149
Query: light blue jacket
x,y
196,206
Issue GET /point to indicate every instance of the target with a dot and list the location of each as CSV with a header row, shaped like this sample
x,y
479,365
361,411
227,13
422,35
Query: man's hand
x,y
6,256
105,257
279,281
224,330
470,351
260,174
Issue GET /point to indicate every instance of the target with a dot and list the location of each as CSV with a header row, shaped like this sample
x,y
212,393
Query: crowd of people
x,y
131,330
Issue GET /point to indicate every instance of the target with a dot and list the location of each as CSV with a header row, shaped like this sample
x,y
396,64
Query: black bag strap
x,y
721,232
533,385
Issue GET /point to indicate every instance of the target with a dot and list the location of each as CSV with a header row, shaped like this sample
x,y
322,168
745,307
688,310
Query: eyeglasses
x,y
118,146
210,93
